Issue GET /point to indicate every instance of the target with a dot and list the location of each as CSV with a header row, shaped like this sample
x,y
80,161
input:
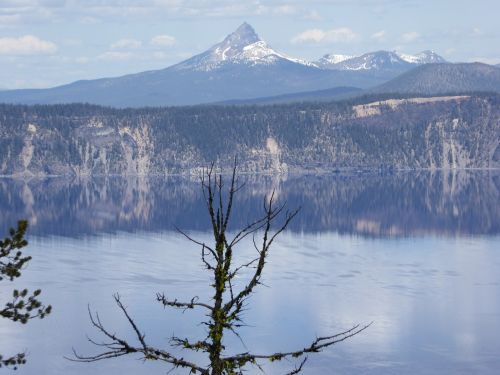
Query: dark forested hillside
x,y
371,133
436,79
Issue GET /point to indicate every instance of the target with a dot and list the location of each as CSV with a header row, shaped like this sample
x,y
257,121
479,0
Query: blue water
x,y
417,254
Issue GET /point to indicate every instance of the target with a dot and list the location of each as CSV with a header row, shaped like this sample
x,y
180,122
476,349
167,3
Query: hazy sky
x,y
50,42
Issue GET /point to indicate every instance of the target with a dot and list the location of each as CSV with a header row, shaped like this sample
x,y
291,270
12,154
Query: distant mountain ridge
x,y
335,93
379,60
435,79
427,80
242,67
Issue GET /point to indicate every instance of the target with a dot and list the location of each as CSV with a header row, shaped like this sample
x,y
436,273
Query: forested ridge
x,y
80,139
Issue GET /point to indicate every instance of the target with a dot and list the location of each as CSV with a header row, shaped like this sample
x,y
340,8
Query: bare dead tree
x,y
224,311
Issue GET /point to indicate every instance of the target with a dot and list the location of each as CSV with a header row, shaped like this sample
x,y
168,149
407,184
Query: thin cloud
x,y
410,37
26,45
476,31
339,35
9,20
285,10
82,60
379,36
313,15
126,44
163,40
115,56
87,20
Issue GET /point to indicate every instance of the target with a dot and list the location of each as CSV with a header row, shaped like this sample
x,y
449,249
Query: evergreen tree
x,y
22,306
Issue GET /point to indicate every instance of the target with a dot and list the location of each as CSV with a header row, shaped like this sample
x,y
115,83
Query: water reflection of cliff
x,y
443,203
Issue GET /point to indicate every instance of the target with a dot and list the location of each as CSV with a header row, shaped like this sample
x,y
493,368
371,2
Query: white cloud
x,y
379,36
410,37
126,44
26,45
339,35
163,40
115,56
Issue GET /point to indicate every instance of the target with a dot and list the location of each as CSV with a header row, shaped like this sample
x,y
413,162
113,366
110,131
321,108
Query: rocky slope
x,y
373,133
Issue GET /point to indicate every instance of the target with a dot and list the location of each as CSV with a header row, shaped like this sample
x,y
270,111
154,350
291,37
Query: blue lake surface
x,y
416,253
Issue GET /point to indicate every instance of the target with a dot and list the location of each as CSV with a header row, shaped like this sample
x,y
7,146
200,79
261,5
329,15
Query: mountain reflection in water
x,y
401,204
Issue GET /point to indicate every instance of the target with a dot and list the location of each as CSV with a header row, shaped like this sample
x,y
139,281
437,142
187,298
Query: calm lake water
x,y
416,253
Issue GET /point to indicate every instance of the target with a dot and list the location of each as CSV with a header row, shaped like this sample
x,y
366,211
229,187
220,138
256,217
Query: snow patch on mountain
x,y
371,61
424,57
335,58
412,59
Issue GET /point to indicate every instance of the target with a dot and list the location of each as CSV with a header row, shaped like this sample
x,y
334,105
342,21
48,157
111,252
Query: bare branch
x,y
298,369
140,336
186,344
316,346
202,244
232,191
119,347
239,268
183,305
271,214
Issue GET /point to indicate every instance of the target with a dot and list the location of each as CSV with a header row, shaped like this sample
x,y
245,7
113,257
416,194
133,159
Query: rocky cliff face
x,y
419,133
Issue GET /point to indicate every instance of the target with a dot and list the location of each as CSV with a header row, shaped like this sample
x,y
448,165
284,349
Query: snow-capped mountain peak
x,y
243,46
241,37
235,43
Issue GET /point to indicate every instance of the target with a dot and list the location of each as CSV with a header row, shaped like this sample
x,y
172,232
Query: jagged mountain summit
x,y
240,47
378,61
